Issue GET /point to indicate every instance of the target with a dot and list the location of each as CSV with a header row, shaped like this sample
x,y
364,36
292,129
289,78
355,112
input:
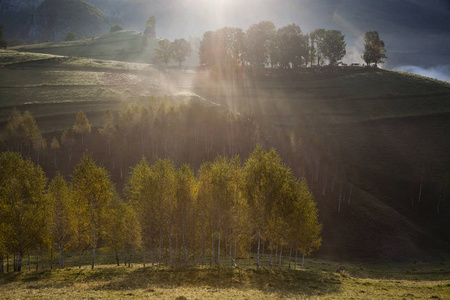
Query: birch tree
x,y
82,125
54,146
22,203
304,226
61,216
206,211
108,128
139,194
92,191
163,191
222,197
68,140
122,230
185,193
264,176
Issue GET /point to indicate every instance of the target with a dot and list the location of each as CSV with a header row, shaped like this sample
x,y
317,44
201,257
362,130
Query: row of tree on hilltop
x,y
229,49
218,215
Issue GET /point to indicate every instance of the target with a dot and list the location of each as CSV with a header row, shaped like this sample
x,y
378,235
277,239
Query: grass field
x,y
53,87
319,280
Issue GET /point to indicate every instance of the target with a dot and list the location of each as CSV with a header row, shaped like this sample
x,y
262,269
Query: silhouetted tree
x,y
164,51
206,50
181,50
3,43
115,28
150,27
292,45
258,42
374,49
333,46
223,50
316,38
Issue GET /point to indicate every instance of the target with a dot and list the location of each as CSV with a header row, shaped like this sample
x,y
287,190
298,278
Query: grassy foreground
x,y
318,281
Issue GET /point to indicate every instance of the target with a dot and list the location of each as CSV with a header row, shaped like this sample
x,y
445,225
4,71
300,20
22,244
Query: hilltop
x,y
325,122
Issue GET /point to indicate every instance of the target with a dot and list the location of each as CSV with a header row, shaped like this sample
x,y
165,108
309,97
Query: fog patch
x,y
441,72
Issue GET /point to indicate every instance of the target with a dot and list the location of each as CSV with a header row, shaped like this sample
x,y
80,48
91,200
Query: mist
x,y
441,72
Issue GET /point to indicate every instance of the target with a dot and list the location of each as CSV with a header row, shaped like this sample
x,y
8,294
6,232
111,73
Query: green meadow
x,y
318,280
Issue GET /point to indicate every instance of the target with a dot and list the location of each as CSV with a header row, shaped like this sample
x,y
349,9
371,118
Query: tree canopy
x,y
92,192
374,49
150,27
3,43
181,49
259,39
229,49
333,46
164,51
82,125
22,205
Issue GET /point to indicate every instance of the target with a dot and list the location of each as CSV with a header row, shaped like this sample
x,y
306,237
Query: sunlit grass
x,y
382,280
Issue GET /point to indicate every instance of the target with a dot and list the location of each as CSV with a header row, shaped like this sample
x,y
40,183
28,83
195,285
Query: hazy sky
x,y
197,16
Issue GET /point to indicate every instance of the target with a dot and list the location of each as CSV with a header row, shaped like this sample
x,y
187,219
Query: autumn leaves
x,y
217,216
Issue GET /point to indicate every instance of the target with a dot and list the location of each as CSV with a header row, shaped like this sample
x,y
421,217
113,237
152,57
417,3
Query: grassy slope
x,y
52,87
385,123
120,45
361,108
317,281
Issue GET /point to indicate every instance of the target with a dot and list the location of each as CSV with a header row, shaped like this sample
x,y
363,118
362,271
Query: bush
x,y
115,28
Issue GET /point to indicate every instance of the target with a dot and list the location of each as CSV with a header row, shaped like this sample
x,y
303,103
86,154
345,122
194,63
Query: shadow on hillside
x,y
284,283
25,276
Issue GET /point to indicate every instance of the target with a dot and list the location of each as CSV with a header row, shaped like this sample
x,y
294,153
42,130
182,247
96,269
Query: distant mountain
x,y
15,14
51,19
8,6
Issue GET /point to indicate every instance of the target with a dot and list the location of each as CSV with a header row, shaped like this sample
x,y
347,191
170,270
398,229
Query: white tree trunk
x,y
93,237
303,261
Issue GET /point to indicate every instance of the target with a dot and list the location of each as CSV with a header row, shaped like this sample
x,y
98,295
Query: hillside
x,y
373,125
387,130
120,45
